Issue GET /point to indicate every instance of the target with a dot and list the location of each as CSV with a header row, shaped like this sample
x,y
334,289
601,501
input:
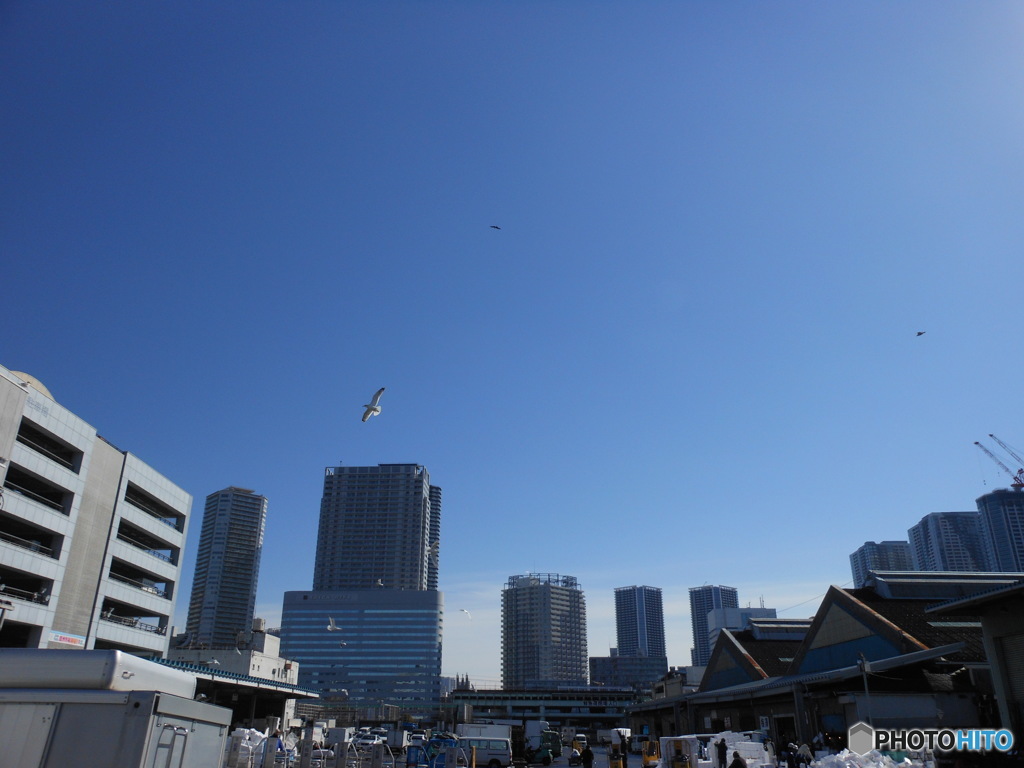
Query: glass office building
x,y
367,647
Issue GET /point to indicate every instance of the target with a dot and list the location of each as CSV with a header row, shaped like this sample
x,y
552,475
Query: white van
x,y
492,753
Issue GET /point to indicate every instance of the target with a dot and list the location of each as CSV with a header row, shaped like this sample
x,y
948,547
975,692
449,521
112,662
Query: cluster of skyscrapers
x,y
989,539
369,631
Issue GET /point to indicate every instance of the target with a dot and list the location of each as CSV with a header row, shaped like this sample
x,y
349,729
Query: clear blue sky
x,y
688,356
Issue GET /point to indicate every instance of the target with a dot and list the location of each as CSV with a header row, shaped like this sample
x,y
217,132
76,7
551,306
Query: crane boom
x,y
1008,449
1018,477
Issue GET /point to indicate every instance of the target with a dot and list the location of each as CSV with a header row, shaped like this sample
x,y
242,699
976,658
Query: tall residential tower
x,y
880,556
639,660
949,541
227,567
1002,521
639,621
543,632
379,527
703,600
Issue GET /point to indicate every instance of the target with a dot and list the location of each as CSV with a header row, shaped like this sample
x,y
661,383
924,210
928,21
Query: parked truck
x,y
398,739
540,741
483,730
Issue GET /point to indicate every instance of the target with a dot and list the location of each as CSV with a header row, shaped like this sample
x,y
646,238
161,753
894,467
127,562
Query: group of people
x,y
795,756
798,755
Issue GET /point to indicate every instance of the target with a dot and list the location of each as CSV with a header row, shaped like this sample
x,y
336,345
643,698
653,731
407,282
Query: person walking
x,y
587,757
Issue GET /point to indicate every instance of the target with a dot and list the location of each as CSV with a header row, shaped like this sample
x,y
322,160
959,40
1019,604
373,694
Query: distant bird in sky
x,y
380,582
495,226
920,333
373,407
467,613
212,663
331,626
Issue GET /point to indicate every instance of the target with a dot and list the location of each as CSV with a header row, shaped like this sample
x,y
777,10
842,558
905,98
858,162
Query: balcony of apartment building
x,y
147,513
140,548
49,446
131,627
145,588
29,597
28,547
39,497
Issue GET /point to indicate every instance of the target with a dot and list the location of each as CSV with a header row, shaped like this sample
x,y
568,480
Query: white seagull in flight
x,y
467,613
331,626
373,407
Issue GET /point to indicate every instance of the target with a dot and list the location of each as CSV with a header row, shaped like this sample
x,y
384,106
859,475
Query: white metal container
x,y
37,668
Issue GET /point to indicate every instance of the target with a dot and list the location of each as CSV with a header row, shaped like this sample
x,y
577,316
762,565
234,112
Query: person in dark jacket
x,y
587,757
723,752
737,761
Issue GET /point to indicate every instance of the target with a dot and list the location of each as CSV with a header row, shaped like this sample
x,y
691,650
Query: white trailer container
x,y
483,730
49,717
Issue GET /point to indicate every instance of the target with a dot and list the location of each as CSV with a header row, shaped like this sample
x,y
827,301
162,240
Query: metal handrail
x,y
138,584
35,546
134,623
143,547
34,496
46,452
171,521
42,597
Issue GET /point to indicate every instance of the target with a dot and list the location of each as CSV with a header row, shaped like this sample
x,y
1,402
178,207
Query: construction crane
x,y
1018,476
1008,449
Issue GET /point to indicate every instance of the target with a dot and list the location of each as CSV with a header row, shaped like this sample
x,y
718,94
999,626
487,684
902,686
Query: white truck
x,y
483,730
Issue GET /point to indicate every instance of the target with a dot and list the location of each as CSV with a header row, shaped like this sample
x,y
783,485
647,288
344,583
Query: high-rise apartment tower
x,y
880,556
543,632
702,601
227,567
379,527
949,541
639,621
1002,517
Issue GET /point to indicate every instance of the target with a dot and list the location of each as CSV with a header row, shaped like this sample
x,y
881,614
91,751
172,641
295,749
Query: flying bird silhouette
x,y
331,626
495,226
467,613
920,333
373,407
